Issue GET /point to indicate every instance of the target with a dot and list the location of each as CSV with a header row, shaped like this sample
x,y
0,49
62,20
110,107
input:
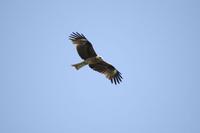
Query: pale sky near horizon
x,y
155,44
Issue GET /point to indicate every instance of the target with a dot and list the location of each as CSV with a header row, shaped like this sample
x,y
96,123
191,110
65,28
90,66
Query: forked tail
x,y
79,65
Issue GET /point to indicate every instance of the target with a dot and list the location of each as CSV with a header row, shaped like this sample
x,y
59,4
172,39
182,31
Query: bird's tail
x,y
79,65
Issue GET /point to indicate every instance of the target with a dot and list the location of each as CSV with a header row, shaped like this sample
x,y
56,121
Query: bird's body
x,y
88,54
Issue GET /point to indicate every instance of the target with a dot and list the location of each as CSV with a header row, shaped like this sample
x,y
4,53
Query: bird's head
x,y
99,58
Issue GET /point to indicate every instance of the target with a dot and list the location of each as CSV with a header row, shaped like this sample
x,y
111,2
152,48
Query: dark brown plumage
x,y
88,54
83,46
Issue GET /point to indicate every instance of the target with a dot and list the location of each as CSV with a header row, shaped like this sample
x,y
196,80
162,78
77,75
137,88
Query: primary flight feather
x,y
88,54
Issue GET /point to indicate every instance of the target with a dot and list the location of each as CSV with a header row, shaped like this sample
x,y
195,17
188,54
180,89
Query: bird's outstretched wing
x,y
108,70
83,46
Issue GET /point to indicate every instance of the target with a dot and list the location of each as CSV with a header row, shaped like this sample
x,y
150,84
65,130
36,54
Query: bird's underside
x,y
89,56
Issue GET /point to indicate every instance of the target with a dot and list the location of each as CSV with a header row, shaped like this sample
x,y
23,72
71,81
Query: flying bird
x,y
95,62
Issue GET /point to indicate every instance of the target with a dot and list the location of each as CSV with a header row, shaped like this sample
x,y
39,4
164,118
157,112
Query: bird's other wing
x,y
108,70
83,46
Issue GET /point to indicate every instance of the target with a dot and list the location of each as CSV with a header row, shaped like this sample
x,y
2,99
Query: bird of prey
x,y
89,56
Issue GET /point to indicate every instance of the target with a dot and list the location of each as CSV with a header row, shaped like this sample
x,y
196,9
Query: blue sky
x,y
154,44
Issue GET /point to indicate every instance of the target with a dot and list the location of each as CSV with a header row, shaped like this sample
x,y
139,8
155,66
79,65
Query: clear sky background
x,y
155,44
